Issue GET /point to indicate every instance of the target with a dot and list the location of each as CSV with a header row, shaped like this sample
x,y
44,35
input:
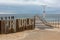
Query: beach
x,y
36,34
41,32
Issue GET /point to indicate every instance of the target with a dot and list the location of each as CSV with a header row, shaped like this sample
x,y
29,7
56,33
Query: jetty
x,y
11,25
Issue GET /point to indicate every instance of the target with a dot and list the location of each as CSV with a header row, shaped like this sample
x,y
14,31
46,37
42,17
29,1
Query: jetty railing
x,y
44,21
55,22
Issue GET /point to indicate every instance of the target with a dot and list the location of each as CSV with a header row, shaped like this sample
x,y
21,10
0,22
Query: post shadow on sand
x,y
43,28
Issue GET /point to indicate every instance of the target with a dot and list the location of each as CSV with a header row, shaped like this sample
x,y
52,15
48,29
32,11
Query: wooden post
x,y
58,22
24,23
31,20
6,25
0,26
17,25
20,25
9,24
27,23
34,21
12,25
55,22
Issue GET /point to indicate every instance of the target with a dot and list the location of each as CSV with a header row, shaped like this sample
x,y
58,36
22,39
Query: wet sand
x,y
36,34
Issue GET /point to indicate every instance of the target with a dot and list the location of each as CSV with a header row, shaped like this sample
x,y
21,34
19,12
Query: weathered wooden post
x,y
23,24
30,23
20,25
34,21
17,25
6,25
12,25
27,23
58,21
55,22
9,24
2,26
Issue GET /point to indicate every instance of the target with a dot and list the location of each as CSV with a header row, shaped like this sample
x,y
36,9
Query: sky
x,y
52,5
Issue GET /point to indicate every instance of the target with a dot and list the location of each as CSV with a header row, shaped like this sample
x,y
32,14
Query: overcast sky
x,y
51,3
48,3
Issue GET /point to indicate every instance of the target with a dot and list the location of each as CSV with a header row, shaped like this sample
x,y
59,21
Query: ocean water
x,y
16,16
48,17
52,17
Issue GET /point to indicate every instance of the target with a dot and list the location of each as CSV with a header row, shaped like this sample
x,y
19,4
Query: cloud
x,y
6,13
51,3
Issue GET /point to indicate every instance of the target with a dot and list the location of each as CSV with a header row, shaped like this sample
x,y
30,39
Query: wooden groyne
x,y
24,24
16,25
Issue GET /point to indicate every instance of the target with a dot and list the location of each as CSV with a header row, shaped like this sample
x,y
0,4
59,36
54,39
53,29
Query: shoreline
x,y
35,34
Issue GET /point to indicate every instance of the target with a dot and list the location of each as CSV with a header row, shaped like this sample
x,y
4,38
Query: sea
x,y
48,17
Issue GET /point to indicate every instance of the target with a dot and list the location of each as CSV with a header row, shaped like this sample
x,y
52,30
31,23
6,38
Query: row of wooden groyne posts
x,y
11,25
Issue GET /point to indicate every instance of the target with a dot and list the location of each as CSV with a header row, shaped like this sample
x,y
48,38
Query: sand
x,y
36,34
13,36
